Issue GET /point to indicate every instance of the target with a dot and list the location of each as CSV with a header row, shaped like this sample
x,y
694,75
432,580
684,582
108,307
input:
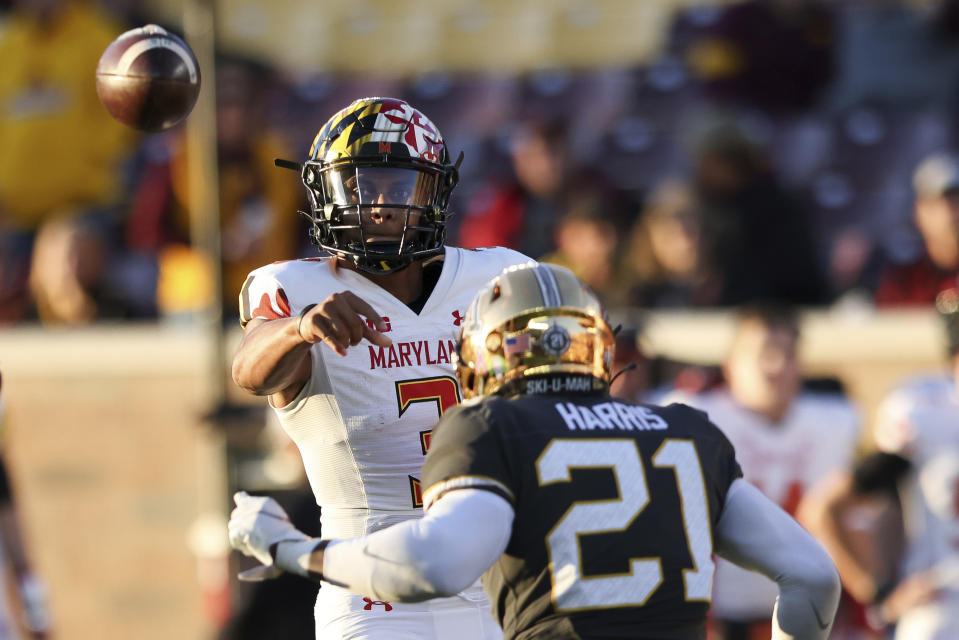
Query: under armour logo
x,y
369,604
457,318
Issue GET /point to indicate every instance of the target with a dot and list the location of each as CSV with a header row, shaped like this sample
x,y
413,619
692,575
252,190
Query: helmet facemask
x,y
349,200
517,341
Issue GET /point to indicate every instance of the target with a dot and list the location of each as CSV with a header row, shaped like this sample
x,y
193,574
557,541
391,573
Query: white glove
x,y
257,525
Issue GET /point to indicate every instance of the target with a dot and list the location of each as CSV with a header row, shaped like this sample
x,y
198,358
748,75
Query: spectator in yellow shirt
x,y
60,152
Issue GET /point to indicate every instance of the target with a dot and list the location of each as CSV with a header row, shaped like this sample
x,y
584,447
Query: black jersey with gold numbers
x,y
616,505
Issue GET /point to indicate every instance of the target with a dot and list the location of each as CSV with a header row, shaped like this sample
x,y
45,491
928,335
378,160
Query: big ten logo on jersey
x,y
443,392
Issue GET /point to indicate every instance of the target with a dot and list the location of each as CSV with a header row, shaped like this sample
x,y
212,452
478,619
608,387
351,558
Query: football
x,y
148,78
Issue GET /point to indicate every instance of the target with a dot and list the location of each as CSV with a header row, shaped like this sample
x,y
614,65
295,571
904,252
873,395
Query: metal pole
x,y
199,26
208,538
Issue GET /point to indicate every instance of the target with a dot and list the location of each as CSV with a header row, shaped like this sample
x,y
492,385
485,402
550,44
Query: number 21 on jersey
x,y
572,589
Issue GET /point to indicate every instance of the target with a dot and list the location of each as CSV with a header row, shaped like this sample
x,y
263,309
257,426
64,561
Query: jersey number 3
x,y
571,588
441,391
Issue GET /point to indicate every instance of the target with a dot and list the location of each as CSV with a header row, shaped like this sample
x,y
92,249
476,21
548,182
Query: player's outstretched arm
x,y
461,536
273,356
756,534
437,555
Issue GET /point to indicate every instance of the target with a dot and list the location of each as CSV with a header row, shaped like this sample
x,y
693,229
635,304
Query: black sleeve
x,y
466,452
879,472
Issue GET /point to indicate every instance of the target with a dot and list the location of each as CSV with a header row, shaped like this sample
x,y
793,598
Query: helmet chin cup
x,y
380,267
420,241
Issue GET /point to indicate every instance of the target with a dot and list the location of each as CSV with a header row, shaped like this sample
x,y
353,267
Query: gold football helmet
x,y
534,322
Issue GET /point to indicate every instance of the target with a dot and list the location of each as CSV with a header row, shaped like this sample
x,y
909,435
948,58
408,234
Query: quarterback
x,y
587,516
355,350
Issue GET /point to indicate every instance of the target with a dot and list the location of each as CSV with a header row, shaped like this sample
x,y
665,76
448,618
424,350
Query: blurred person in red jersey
x,y
758,233
255,199
787,440
666,264
904,564
523,212
936,215
61,157
30,613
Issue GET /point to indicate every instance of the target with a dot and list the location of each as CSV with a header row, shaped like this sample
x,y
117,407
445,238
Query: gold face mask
x,y
533,320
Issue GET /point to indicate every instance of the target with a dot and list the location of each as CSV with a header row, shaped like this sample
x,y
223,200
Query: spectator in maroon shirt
x,y
936,214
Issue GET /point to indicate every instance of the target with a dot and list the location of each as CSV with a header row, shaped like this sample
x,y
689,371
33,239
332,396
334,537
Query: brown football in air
x,y
148,78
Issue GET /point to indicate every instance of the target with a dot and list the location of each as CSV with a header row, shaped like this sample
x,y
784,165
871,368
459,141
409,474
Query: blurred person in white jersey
x,y
30,599
787,440
911,589
355,350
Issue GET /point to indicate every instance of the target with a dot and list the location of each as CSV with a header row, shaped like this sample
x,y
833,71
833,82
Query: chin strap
x,y
629,367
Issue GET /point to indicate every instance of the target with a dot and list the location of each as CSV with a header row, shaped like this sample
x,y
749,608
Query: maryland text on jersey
x,y
414,353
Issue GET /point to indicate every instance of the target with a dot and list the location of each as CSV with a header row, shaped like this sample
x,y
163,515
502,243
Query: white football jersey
x,y
817,435
920,421
362,423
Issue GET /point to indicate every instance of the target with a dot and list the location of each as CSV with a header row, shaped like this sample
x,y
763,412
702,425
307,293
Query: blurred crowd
x,y
797,150
791,149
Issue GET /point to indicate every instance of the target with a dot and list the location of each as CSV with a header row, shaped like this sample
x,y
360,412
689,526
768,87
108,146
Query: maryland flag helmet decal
x,y
379,125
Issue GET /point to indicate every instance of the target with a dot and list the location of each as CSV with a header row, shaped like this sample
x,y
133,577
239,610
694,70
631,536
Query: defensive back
x,y
615,504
